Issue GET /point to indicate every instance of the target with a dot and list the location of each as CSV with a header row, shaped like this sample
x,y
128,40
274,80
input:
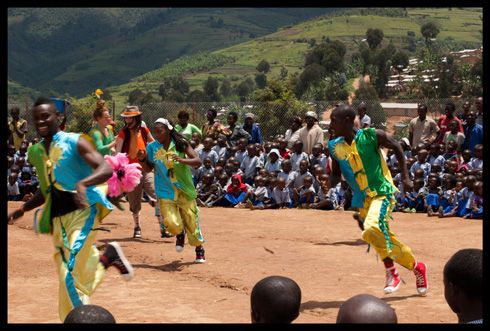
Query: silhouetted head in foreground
x,y
89,314
275,299
365,308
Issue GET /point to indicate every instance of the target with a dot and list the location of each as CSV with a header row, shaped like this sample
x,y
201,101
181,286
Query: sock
x,y
136,218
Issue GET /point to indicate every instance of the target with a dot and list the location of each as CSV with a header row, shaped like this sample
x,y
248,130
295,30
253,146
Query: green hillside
x,y
74,50
287,47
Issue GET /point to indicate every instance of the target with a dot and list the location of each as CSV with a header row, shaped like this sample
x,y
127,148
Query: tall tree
x,y
374,37
210,88
263,66
429,30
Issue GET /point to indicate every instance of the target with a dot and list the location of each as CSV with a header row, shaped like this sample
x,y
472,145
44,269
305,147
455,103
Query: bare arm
x,y
193,159
34,202
102,169
388,142
335,174
119,144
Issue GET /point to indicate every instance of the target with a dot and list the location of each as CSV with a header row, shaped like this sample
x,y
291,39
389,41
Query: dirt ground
x,y
322,251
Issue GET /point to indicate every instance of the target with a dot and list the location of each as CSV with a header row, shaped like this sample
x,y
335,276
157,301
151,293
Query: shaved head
x,y
365,308
343,111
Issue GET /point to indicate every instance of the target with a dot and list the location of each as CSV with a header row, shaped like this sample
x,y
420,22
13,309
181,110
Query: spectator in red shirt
x,y
444,121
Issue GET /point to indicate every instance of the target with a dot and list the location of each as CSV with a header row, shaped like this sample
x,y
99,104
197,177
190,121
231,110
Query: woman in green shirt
x,y
102,133
184,127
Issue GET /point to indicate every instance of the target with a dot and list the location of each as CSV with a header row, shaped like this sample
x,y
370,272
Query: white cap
x,y
165,122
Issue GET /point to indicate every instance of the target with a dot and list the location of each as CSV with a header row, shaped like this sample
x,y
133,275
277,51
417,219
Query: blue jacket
x,y
256,136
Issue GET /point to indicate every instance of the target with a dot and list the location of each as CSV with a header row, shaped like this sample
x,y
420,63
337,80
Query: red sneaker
x,y
420,271
393,280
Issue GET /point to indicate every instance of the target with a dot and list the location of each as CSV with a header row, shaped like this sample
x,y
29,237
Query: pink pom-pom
x,y
125,177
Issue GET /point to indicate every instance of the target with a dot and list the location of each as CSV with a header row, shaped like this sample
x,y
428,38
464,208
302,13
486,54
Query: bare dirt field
x,y
322,251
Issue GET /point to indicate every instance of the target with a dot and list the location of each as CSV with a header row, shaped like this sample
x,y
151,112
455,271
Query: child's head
x,y
454,126
208,143
317,149
419,173
324,180
15,168
223,180
394,170
229,168
418,184
275,299
344,185
221,161
466,155
263,173
242,144
267,147
221,140
283,143
207,162
259,149
232,151
308,181
436,168
208,179
435,149
251,150
23,147
196,137
218,171
298,147
366,308
410,161
274,155
448,181
303,166
478,187
434,182
193,144
319,170
271,182
259,181
10,161
479,151
11,150
469,181
281,183
89,314
451,146
286,165
459,185
422,155
479,174
13,178
451,166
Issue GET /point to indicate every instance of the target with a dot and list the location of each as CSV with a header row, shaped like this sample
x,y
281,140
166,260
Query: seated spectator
x,y
414,200
89,314
250,164
273,162
236,191
221,162
454,135
433,196
477,161
13,188
368,309
281,194
242,149
218,171
317,172
421,163
452,154
275,299
231,152
206,168
327,196
298,155
221,146
344,195
10,163
317,157
454,200
22,152
463,285
435,157
287,173
304,195
465,163
207,151
475,203
257,196
206,190
196,137
283,148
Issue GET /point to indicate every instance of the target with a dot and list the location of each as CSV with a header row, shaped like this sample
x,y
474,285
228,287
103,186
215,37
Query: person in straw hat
x,y
132,139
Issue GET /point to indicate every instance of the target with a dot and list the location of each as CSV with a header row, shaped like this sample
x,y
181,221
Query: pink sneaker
x,y
420,271
393,280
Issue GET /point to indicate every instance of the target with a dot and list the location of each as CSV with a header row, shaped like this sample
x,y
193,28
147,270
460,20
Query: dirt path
x,y
322,251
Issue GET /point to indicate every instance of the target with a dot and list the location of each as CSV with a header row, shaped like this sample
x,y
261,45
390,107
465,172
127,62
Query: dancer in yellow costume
x,y
69,168
358,157
172,156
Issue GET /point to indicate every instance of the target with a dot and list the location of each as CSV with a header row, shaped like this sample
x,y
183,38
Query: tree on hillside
x,y
210,88
197,96
245,88
263,66
374,37
400,59
261,80
429,30
225,88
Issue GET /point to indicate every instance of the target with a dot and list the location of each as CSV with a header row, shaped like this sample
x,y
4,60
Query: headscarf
x,y
241,187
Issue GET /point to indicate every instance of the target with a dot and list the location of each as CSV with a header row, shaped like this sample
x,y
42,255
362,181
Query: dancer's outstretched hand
x,y
18,213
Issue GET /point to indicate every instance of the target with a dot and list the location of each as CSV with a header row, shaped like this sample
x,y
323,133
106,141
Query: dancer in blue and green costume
x,y
357,155
69,168
171,156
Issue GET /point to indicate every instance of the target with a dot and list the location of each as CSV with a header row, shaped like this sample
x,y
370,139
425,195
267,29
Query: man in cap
x,y
253,129
132,139
312,133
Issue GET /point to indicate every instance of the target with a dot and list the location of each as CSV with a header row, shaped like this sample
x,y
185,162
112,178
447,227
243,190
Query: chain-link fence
x,y
274,118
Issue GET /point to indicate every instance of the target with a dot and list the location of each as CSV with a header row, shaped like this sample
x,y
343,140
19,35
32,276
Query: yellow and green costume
x,y
175,191
366,172
76,256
